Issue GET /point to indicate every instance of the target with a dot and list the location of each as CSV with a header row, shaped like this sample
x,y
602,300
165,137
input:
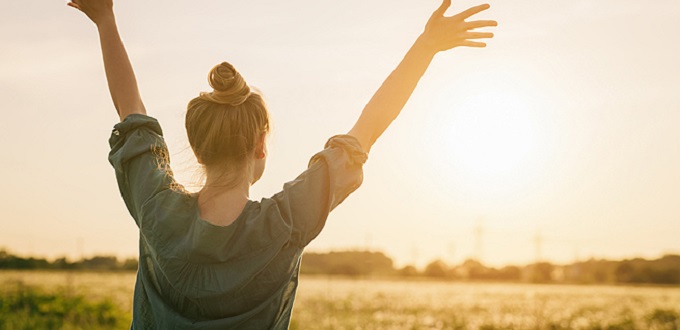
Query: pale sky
x,y
564,128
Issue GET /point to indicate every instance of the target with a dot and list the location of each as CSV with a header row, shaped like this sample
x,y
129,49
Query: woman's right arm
x,y
119,73
441,33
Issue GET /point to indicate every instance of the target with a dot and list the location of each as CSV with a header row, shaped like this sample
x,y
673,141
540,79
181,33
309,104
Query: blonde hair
x,y
225,125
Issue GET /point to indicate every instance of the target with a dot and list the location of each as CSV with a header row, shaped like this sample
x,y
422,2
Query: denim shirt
x,y
196,275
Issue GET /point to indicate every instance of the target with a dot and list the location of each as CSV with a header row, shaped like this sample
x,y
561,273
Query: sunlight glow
x,y
492,135
493,131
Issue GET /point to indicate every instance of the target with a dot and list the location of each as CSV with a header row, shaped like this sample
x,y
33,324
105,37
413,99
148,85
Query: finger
x,y
476,35
472,11
71,4
479,24
442,9
475,44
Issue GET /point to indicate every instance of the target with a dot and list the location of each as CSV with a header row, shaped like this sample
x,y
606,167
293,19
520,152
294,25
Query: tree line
x,y
104,263
664,270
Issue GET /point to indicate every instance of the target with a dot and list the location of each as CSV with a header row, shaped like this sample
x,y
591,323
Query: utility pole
x,y
479,232
79,247
452,252
538,244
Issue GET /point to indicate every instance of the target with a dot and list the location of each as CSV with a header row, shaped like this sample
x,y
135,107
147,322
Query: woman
x,y
216,259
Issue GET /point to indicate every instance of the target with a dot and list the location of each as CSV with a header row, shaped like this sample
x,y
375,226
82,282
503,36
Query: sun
x,y
490,133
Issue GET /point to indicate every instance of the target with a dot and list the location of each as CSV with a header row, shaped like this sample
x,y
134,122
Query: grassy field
x,y
103,300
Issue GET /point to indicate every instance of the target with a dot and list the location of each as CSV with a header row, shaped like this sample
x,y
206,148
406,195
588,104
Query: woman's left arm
x,y
119,72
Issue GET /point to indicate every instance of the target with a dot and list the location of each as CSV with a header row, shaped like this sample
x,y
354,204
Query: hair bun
x,y
228,85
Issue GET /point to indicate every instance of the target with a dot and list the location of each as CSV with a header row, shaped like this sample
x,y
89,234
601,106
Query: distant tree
x,y
352,263
668,276
100,263
130,264
510,273
62,263
595,271
436,268
541,272
625,272
649,274
408,271
8,261
474,270
670,260
345,269
666,270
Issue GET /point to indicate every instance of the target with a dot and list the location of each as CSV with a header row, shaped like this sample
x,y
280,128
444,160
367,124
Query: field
x,y
340,303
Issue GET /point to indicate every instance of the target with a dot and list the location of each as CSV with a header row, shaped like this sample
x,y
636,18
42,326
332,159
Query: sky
x,y
558,141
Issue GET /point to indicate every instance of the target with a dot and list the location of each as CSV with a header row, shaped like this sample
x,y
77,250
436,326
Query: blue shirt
x,y
196,275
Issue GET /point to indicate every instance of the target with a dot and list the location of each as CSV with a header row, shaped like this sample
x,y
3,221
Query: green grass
x,y
29,307
91,300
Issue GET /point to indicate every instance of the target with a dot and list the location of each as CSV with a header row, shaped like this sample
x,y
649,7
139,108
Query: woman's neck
x,y
221,203
219,184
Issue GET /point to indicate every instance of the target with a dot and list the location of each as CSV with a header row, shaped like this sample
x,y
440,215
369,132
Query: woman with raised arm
x,y
216,259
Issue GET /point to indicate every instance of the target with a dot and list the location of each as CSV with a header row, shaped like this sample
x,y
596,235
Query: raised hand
x,y
119,73
443,33
97,10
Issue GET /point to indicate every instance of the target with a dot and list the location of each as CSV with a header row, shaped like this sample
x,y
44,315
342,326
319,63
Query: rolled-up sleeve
x,y
332,175
141,161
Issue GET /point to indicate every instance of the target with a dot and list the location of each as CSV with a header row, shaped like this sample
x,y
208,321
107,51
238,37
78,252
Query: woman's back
x,y
195,273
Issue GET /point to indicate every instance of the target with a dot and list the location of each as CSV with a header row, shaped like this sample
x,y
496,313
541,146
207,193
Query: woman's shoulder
x,y
168,212
135,121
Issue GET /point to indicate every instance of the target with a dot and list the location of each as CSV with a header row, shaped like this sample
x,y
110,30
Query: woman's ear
x,y
261,147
